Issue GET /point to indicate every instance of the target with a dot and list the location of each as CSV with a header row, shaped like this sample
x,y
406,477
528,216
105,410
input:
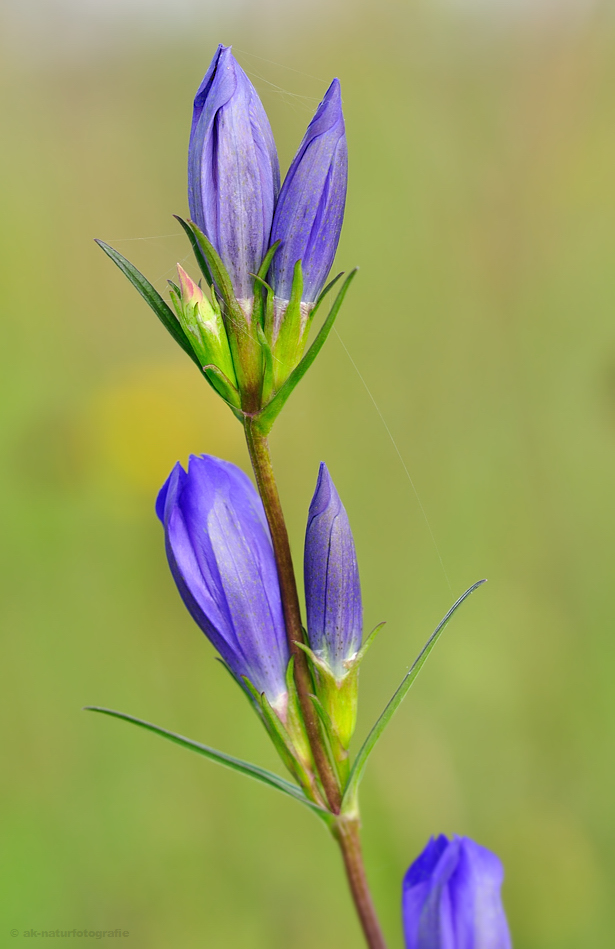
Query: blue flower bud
x,y
220,553
332,588
310,209
233,171
451,898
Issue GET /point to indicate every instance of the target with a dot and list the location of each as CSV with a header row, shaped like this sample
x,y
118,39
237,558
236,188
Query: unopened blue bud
x,y
332,588
451,898
233,171
310,209
220,553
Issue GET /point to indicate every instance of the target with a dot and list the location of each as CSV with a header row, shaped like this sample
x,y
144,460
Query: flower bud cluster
x,y
267,251
221,556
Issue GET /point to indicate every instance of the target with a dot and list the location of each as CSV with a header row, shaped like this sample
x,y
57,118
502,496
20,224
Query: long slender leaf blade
x,y
196,247
152,298
372,739
228,761
273,408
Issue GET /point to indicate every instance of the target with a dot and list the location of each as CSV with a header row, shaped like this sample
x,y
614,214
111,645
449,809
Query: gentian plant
x,y
264,255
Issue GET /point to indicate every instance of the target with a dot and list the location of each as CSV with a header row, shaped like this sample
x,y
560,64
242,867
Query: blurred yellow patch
x,y
155,415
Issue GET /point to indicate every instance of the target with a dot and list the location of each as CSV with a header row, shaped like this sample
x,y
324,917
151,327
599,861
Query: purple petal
x,y
310,209
233,171
451,898
220,554
332,588
480,922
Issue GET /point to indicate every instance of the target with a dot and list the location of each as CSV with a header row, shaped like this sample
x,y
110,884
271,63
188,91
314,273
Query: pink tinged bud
x,y
191,292
204,328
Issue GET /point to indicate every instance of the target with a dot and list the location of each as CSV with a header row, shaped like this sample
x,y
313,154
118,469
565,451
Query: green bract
x,y
251,360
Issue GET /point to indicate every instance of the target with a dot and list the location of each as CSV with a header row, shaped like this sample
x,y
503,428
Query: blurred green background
x,y
481,209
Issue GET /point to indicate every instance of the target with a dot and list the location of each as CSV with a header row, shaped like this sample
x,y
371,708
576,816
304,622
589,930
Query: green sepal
x,y
338,699
350,802
151,296
273,408
291,755
295,725
288,343
369,642
196,247
228,761
260,314
225,387
338,756
267,360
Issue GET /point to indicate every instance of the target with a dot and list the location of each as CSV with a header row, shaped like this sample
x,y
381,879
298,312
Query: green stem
x,y
345,830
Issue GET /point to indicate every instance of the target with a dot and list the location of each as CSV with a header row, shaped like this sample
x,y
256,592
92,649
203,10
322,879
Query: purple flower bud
x,y
451,898
309,213
332,588
221,558
233,171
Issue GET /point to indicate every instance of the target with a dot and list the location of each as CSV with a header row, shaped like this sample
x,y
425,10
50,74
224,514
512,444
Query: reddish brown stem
x,y
263,472
347,835
345,830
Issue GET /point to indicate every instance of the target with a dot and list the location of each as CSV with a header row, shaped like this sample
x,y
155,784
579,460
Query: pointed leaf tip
x,y
151,297
228,761
349,802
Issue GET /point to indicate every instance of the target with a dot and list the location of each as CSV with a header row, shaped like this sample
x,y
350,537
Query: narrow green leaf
x,y
273,408
350,795
235,764
196,247
152,298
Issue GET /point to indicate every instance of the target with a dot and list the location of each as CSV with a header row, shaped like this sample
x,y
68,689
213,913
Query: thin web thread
x,y
272,62
400,456
157,237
